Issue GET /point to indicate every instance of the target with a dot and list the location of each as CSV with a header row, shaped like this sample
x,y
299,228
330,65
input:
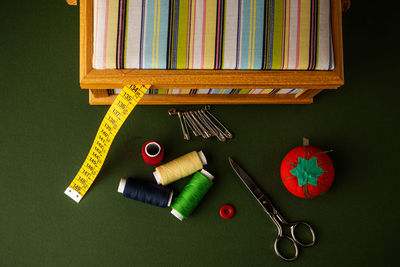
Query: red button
x,y
226,211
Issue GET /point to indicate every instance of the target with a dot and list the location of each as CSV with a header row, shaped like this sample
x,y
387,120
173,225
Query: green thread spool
x,y
192,194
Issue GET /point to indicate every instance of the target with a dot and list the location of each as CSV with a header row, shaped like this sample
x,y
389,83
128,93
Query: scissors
x,y
275,216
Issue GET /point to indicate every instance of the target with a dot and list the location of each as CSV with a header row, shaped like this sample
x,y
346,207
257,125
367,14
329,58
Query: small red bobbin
x,y
226,211
152,152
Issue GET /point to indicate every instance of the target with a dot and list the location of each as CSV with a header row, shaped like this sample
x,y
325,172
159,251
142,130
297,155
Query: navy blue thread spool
x,y
147,192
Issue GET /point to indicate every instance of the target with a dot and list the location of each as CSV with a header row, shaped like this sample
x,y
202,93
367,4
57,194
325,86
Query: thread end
x,y
152,149
177,214
157,176
170,198
121,185
202,157
207,174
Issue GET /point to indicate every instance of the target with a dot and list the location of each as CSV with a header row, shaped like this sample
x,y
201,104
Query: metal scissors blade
x,y
251,185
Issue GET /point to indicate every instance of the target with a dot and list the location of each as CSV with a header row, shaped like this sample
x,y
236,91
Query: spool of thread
x,y
152,152
191,195
180,167
146,192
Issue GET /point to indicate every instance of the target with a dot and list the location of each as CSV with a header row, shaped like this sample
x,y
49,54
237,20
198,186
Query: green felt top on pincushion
x,y
307,171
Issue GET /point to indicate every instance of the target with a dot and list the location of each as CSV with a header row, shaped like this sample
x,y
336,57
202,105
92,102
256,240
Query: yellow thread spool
x,y
180,167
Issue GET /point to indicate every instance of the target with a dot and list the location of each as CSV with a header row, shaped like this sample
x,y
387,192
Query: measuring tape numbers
x,y
109,127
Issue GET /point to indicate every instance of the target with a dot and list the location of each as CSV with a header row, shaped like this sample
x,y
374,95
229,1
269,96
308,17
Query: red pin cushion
x,y
307,171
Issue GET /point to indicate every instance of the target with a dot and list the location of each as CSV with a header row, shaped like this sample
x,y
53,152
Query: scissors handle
x,y
297,240
294,244
294,240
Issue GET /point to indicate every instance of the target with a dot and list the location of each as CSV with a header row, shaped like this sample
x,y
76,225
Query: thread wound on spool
x,y
146,192
180,167
191,195
152,152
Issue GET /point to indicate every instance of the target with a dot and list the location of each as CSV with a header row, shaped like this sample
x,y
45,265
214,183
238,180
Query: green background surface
x,y
47,128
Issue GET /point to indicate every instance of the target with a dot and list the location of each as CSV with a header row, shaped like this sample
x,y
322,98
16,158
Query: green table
x,y
48,127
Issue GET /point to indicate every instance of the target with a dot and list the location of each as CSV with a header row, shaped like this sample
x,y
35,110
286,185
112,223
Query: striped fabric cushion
x,y
213,34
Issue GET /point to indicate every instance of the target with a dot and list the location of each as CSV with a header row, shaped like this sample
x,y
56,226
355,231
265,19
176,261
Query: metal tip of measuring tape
x,y
73,194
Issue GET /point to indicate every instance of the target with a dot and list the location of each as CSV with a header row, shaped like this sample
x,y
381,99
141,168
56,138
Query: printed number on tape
x,y
109,127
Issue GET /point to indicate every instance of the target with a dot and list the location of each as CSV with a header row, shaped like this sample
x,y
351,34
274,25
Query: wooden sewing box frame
x,y
310,82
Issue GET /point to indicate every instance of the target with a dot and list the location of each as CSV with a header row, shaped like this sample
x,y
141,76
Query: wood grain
x,y
206,99
72,2
197,79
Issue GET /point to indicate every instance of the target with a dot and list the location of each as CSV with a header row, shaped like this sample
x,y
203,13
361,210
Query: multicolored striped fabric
x,y
214,91
213,34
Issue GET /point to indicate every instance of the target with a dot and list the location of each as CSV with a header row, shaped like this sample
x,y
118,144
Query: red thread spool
x,y
152,152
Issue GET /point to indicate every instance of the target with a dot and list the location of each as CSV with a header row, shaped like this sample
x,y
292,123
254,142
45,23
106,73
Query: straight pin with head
x,y
323,152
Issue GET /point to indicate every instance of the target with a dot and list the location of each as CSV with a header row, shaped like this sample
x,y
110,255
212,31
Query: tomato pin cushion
x,y
307,171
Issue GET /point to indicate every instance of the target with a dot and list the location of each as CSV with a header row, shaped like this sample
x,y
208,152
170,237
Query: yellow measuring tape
x,y
109,127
